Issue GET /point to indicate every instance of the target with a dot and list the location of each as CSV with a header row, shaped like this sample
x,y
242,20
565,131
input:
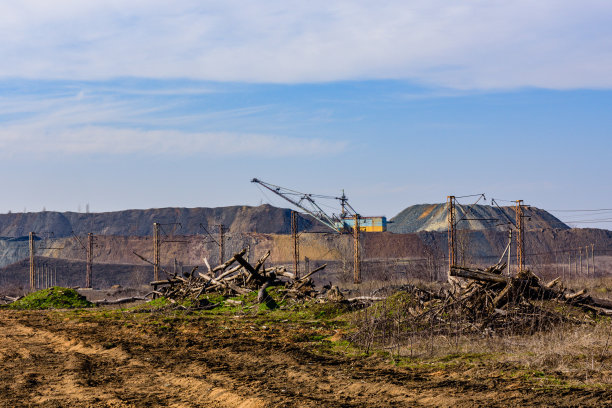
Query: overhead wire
x,y
598,209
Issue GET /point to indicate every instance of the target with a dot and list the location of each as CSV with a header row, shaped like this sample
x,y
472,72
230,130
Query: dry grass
x,y
576,349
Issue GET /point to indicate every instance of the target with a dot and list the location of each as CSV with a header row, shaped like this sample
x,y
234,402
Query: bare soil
x,y
126,359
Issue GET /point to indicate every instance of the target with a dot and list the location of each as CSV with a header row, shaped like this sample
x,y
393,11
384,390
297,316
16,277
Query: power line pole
x,y
593,259
356,260
452,234
88,275
156,247
520,239
296,243
32,265
221,243
580,253
576,264
509,249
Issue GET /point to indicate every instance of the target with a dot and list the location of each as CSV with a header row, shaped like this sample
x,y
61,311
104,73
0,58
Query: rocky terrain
x,y
263,219
433,217
185,221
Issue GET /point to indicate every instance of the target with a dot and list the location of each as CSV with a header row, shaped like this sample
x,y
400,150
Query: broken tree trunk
x,y
262,294
478,275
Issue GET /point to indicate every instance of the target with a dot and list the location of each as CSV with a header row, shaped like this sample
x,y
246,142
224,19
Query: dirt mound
x,y
433,217
238,219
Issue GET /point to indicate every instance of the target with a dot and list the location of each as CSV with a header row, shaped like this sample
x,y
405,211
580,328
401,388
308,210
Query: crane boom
x,y
304,200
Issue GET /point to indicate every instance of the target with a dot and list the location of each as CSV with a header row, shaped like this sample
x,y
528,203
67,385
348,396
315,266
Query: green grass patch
x,y
52,298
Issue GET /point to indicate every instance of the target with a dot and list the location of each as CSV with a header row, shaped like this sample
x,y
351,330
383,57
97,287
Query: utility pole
x,y
156,247
586,257
221,243
593,259
356,260
509,249
576,264
452,234
569,264
580,254
296,243
88,275
520,239
32,265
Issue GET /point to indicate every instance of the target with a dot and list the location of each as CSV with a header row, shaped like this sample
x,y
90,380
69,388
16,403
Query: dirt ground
x,y
124,359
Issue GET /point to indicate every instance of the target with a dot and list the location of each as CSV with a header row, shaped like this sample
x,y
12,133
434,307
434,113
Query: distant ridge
x,y
433,217
237,219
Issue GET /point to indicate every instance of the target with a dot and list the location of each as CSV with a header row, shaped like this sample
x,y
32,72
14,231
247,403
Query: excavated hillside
x,y
434,217
239,219
118,235
384,255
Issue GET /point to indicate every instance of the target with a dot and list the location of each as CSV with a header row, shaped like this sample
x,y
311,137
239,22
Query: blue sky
x,y
143,104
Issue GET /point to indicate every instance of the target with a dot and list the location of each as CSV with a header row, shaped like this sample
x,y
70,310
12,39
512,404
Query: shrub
x,y
52,298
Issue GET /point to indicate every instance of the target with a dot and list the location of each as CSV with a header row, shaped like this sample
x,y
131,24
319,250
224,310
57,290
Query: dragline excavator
x,y
341,223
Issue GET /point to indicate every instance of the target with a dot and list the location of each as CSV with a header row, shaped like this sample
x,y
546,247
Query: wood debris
x,y
236,277
487,303
526,286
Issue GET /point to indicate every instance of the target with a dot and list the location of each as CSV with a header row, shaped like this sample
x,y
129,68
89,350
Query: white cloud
x,y
50,124
108,140
462,44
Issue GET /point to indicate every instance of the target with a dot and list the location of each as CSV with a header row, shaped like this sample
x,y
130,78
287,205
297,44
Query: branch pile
x,y
486,303
491,302
236,277
504,290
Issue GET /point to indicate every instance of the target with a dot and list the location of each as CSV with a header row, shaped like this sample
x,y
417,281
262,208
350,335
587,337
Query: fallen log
x,y
230,285
309,274
169,282
249,268
118,301
229,261
478,275
553,283
262,295
600,303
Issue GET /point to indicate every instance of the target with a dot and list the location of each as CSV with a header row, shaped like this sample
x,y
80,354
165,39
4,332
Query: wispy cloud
x,y
106,140
480,44
88,121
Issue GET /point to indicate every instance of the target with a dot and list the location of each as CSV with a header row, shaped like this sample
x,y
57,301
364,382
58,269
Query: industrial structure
x,y
348,221
342,223
366,224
